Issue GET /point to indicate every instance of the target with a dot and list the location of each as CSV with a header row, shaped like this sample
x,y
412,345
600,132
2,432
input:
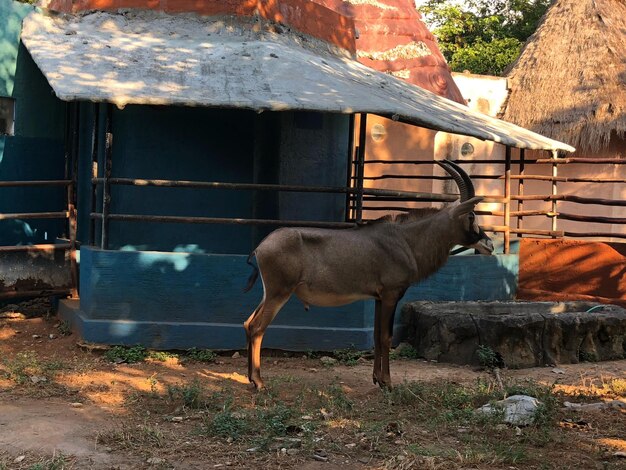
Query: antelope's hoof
x,y
385,385
258,384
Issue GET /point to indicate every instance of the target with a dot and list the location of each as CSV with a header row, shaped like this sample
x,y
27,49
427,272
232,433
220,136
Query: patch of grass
x,y
162,356
189,394
615,386
275,419
430,450
126,354
405,352
585,356
21,366
454,404
201,355
348,357
334,398
487,357
228,424
126,436
56,462
26,364
65,328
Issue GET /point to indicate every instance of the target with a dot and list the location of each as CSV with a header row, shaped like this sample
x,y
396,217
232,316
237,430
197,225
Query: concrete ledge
x,y
522,334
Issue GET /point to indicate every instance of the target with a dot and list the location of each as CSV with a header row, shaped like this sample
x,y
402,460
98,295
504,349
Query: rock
x,y
36,336
76,404
52,336
558,371
328,361
595,406
37,379
19,459
177,419
320,455
518,410
520,334
286,443
236,355
620,454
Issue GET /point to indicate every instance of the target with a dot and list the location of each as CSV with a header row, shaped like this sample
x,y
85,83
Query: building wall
x,y
36,150
391,141
197,144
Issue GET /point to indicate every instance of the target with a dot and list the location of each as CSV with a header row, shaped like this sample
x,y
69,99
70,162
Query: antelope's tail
x,y
255,273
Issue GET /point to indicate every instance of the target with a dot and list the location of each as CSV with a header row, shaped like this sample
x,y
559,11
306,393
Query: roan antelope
x,y
379,260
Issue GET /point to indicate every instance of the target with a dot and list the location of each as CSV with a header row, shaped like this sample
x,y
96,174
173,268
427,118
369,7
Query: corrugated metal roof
x,y
227,62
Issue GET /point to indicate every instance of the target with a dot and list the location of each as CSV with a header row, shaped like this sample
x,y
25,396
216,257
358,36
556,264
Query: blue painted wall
x,y
183,300
36,151
201,144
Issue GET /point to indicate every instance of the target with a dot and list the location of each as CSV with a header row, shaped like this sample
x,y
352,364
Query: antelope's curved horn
x,y
462,179
466,178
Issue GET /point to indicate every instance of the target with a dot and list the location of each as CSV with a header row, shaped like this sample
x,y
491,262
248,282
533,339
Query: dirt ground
x,y
64,405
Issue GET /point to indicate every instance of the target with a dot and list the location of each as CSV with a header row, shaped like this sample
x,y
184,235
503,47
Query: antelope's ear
x,y
466,207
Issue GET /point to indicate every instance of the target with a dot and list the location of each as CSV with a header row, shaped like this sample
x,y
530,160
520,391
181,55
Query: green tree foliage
x,y
482,36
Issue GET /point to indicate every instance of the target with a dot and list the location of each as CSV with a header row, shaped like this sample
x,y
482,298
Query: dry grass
x,y
203,414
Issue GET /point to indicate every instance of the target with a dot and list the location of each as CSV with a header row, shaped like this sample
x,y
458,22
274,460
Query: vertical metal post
x,y
106,187
95,133
520,189
67,158
351,157
507,200
71,196
360,168
555,155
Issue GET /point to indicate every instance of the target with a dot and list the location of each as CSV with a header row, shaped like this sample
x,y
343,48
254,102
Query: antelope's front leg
x,y
376,373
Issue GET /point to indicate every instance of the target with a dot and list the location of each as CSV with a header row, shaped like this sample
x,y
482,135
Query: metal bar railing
x,y
36,215
37,183
220,220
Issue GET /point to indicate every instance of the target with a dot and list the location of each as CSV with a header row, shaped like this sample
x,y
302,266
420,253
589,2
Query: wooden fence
x,y
512,212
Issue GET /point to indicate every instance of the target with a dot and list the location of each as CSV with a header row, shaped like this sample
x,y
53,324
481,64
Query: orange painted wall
x,y
572,270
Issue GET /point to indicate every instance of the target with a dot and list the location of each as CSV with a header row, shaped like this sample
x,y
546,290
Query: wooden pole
x,y
520,190
507,200
555,155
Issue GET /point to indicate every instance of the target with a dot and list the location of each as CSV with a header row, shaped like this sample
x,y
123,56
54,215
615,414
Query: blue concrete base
x,y
183,300
175,335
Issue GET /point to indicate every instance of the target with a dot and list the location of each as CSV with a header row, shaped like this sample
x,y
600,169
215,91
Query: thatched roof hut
x,y
569,83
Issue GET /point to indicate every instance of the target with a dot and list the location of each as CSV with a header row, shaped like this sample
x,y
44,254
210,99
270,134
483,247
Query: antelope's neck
x,y
430,243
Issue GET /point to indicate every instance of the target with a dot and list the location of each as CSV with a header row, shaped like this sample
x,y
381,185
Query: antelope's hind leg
x,y
255,328
246,327
384,317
